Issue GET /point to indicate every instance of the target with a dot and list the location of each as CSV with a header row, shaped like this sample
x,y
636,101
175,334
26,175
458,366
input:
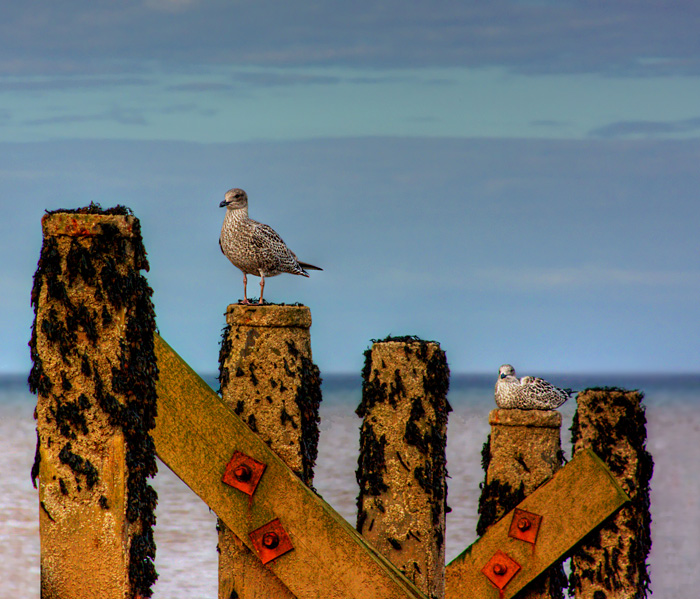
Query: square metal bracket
x,y
524,526
243,473
500,569
270,541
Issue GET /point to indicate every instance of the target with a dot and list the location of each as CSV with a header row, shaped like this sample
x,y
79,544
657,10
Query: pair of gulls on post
x,y
256,249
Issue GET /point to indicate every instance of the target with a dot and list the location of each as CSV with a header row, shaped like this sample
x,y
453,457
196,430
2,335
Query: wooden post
x,y
268,379
94,372
522,452
611,561
401,468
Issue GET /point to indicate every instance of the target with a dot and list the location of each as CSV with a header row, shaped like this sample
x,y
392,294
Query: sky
x,y
518,180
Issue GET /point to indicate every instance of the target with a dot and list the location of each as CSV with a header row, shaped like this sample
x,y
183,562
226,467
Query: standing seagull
x,y
255,248
528,393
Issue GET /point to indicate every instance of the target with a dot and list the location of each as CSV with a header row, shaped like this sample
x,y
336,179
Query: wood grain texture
x,y
196,435
581,496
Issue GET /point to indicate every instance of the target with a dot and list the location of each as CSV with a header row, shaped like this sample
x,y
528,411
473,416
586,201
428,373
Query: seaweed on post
x,y
83,280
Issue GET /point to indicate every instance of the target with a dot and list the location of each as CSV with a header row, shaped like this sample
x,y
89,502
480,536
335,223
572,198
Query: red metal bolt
x,y
524,524
270,540
500,569
243,473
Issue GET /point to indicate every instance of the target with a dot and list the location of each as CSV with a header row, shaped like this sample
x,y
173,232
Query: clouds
x,y
527,281
251,103
451,239
453,166
116,115
608,279
647,128
615,39
276,70
51,84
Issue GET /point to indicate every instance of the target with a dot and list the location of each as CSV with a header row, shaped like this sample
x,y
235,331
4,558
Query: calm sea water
x,y
186,536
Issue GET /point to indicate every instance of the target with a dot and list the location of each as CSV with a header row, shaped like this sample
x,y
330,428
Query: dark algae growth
x,y
308,399
86,282
497,498
402,464
613,558
522,452
431,443
278,378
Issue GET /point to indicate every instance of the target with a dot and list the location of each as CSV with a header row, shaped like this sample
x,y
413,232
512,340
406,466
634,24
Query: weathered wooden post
x,y
401,468
268,378
94,372
611,561
522,452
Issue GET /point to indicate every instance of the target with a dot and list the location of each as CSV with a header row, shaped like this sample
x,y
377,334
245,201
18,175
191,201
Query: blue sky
x,y
517,180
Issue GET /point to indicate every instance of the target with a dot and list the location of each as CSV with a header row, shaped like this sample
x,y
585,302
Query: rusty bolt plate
x,y
525,526
500,569
243,473
270,541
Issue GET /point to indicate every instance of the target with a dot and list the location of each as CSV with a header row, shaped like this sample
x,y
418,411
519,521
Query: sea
x,y
185,533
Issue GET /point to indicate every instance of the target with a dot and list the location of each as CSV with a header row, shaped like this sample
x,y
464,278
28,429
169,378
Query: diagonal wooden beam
x,y
581,496
196,436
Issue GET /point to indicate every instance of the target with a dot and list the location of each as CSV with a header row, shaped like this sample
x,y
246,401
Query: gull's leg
x,y
262,286
245,288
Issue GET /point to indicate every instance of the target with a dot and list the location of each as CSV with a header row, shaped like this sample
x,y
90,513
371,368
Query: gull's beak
x,y
223,204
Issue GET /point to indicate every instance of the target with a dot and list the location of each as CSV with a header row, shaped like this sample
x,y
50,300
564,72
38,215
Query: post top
x,y
402,342
403,349
75,224
528,418
407,344
272,315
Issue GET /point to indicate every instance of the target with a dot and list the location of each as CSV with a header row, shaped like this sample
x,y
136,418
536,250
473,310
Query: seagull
x,y
528,393
255,248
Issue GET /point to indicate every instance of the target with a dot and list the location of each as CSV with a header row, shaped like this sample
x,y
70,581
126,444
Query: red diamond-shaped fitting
x,y
243,472
270,541
500,569
525,526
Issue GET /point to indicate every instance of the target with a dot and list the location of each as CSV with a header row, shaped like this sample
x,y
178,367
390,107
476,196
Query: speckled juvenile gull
x,y
527,393
253,247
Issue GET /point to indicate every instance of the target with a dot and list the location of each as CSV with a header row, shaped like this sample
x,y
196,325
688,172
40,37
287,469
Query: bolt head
x,y
243,473
270,540
524,524
500,569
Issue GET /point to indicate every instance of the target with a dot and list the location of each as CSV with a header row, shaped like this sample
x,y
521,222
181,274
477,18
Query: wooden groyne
x,y
112,394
